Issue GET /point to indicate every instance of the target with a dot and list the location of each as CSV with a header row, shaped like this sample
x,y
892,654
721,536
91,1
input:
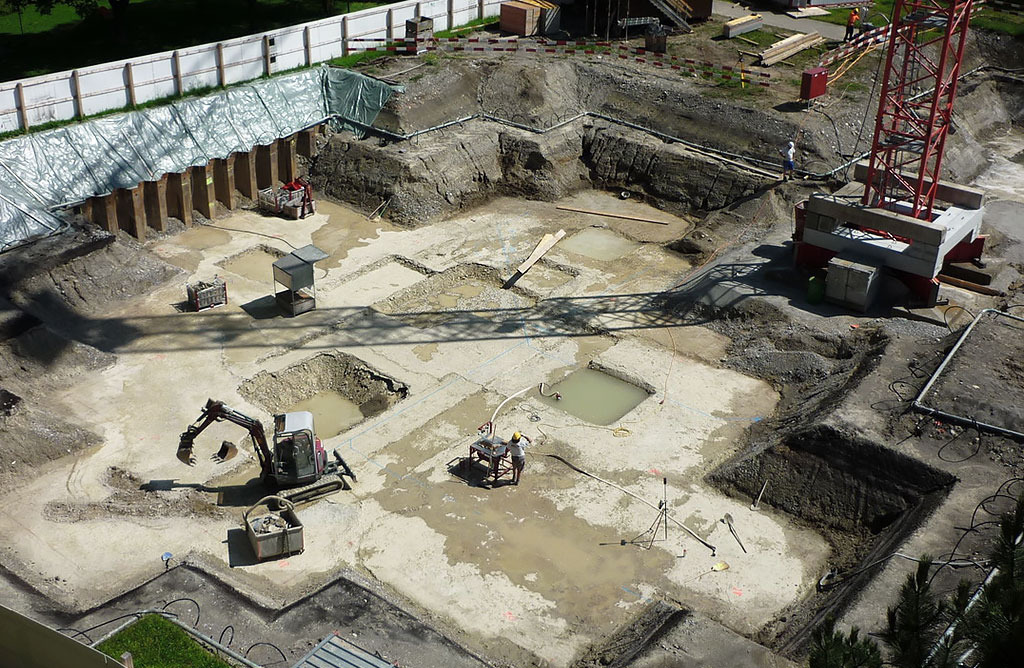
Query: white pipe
x,y
510,398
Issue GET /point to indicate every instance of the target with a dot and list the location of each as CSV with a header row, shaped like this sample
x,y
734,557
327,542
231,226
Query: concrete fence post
x,y
480,9
451,15
76,94
266,55
391,25
307,42
344,35
19,101
127,660
221,79
178,79
419,10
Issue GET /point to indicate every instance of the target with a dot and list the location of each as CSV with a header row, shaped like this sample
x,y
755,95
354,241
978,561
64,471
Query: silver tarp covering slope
x,y
43,171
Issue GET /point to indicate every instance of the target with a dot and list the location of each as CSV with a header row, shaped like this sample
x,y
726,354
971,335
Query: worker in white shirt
x,y
517,449
788,153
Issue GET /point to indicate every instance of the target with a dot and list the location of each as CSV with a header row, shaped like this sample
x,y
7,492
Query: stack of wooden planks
x,y
741,25
787,47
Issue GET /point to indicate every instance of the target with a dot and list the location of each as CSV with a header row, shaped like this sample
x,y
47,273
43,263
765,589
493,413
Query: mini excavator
x,y
297,462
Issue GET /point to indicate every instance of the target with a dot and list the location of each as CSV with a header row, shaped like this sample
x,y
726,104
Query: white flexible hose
x,y
510,398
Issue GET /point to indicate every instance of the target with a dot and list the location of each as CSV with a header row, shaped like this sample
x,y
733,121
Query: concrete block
x,y
852,282
946,191
878,219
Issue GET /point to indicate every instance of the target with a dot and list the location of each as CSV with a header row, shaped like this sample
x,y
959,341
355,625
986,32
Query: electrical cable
x,y
945,314
75,634
284,657
190,600
259,234
227,628
635,496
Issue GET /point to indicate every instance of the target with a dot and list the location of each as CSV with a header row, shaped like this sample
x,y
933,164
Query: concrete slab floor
x,y
510,571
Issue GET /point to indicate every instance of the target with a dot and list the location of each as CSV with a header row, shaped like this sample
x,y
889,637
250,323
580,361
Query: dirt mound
x,y
129,498
63,280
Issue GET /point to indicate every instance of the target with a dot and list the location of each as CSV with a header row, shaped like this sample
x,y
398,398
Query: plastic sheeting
x,y
44,171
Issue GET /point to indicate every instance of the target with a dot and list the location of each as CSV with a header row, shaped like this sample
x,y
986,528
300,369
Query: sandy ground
x,y
530,571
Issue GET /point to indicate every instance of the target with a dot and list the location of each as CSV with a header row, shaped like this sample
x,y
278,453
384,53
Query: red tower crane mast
x,y
922,65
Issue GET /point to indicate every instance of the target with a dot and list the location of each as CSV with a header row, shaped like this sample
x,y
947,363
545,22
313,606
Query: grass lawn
x,y
60,41
987,19
157,643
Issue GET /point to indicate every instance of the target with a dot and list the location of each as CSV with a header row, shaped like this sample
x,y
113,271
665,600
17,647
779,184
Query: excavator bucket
x,y
227,451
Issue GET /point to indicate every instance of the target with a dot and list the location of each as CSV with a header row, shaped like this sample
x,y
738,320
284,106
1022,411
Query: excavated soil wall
x,y
453,171
338,372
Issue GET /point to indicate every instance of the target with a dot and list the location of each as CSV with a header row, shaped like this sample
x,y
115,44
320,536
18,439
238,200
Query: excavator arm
x,y
216,411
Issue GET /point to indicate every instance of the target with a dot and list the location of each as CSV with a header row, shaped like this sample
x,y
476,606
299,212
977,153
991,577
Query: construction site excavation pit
x,y
594,396
338,389
680,317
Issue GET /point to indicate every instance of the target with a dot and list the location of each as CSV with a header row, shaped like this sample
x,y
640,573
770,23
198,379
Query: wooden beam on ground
x,y
741,25
612,215
973,287
789,46
546,243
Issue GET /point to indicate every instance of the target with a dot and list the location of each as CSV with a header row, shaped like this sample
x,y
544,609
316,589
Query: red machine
x,y
292,200
892,221
910,130
296,459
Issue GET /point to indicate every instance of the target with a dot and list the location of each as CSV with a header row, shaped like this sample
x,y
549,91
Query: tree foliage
x,y
834,649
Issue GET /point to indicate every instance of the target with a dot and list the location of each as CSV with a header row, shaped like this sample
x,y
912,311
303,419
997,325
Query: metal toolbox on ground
x,y
276,533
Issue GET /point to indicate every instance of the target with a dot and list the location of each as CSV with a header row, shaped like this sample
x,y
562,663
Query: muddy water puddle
x,y
451,297
332,413
598,243
256,265
595,397
202,237
345,230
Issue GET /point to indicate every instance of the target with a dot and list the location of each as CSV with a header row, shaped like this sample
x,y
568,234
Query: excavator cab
x,y
299,458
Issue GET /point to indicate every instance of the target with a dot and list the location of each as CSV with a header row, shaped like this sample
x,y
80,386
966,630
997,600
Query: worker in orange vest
x,y
851,23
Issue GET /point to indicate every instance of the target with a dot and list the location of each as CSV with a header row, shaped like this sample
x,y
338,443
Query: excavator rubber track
x,y
331,483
